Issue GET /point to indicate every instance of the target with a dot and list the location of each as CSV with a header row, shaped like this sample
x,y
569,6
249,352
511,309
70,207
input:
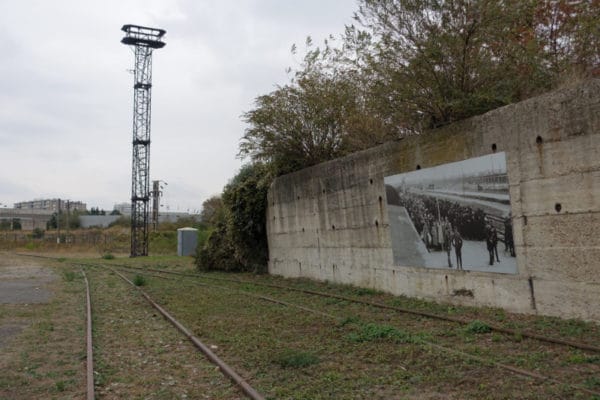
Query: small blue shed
x,y
187,240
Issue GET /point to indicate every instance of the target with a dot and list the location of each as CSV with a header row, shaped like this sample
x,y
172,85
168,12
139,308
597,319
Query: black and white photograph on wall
x,y
456,215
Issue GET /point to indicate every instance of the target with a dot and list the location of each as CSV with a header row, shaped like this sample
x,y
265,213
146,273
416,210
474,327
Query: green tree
x,y
412,65
218,251
239,239
440,61
10,224
298,125
72,219
211,210
245,198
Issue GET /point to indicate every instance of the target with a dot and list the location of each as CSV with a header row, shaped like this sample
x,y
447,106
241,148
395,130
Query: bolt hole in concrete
x,y
376,223
539,140
418,166
558,207
494,147
371,181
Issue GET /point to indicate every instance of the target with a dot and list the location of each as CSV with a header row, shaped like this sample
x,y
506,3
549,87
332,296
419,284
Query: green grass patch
x,y
163,242
108,256
60,386
478,327
69,276
296,359
32,245
579,358
593,382
372,332
139,280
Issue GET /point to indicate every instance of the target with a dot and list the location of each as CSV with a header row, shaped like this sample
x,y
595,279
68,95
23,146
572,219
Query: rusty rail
x,y
225,369
90,351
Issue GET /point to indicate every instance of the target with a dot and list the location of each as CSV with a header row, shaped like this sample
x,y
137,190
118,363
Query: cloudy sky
x,y
66,91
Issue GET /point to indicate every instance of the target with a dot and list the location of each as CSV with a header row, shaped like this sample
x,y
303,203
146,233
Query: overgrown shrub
x,y
217,253
239,239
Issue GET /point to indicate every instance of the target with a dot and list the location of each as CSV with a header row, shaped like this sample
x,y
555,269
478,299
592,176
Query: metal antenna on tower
x,y
144,40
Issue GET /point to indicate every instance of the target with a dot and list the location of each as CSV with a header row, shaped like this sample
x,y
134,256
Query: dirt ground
x,y
21,283
25,284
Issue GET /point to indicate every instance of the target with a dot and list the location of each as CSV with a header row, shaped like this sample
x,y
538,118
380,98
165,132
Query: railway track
x,y
493,326
182,279
443,349
90,393
225,369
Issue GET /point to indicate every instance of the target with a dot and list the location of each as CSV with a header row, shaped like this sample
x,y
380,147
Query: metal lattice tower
x,y
144,40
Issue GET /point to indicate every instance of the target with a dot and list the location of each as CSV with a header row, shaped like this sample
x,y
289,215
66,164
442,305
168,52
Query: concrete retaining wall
x,y
330,221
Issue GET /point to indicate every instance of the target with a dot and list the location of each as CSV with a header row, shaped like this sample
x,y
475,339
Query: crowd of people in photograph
x,y
443,225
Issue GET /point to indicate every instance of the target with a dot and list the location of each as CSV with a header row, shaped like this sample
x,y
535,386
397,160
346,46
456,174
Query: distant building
x,y
123,208
51,205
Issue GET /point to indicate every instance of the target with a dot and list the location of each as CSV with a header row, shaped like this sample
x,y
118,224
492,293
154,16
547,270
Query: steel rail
x,y
225,369
90,351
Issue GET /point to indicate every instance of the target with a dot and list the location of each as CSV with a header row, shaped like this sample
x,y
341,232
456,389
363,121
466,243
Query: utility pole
x,y
156,195
155,202
58,223
144,40
68,222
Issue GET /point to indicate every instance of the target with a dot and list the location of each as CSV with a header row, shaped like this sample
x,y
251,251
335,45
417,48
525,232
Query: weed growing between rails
x,y
139,355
